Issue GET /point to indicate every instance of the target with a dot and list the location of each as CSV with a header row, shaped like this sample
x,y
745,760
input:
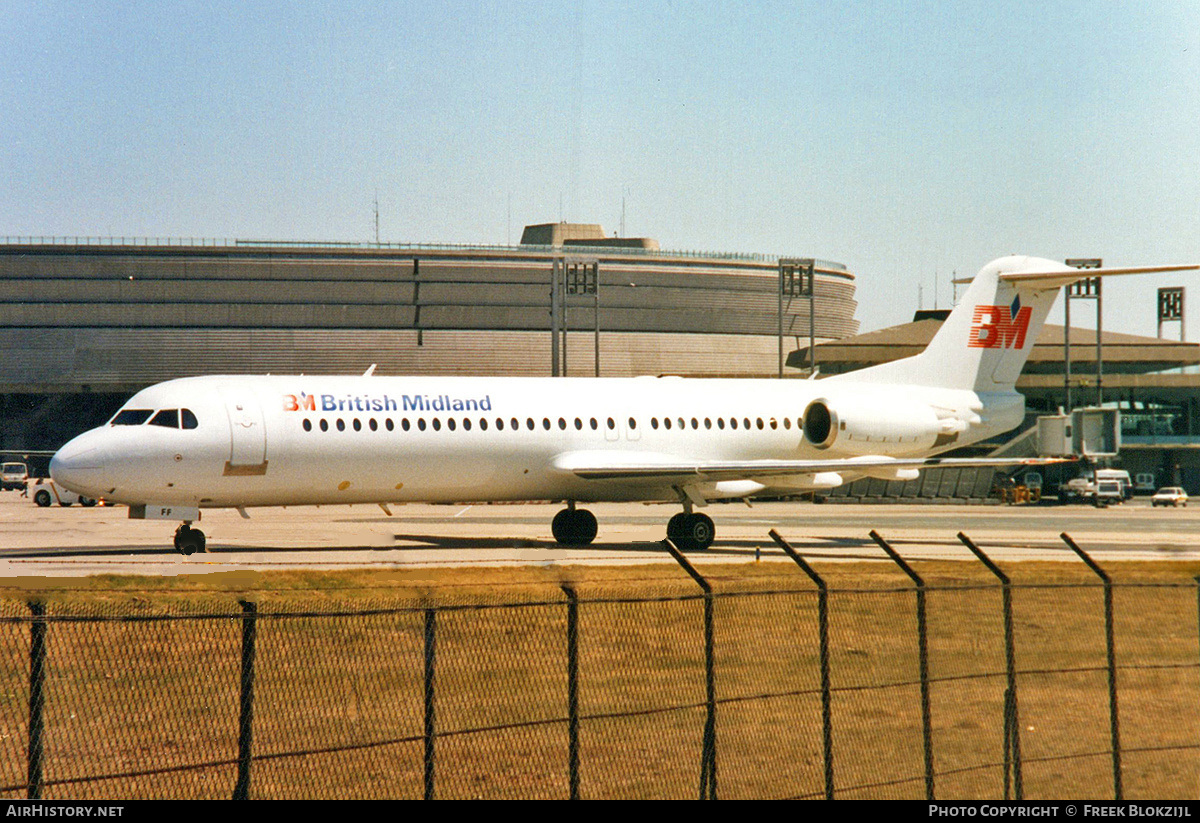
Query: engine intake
x,y
861,426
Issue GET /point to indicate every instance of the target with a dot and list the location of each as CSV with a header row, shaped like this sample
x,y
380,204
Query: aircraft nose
x,y
78,464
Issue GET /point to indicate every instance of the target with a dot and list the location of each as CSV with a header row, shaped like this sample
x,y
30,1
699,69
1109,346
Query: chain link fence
x,y
1053,684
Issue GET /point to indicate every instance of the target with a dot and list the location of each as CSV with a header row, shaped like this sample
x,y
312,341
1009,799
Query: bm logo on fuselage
x,y
999,327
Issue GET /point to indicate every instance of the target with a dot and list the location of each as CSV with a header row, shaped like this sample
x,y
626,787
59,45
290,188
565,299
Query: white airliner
x,y
238,441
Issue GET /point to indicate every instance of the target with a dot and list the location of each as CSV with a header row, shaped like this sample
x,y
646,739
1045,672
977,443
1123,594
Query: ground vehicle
x,y
1109,491
1101,491
43,492
13,476
1119,475
1169,496
1144,483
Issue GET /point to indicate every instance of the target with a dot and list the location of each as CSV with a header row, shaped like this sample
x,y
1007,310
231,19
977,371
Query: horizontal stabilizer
x,y
1057,279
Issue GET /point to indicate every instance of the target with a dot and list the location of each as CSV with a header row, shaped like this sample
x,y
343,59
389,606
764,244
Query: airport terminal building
x,y
85,322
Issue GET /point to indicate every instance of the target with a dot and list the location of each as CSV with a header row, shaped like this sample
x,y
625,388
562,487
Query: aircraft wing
x,y
603,466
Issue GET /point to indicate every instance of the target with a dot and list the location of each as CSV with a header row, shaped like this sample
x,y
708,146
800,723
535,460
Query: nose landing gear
x,y
188,540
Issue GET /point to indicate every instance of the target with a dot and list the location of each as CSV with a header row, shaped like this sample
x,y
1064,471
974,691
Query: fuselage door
x,y
247,431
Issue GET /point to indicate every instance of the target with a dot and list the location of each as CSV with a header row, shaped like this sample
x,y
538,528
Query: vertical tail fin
x,y
984,343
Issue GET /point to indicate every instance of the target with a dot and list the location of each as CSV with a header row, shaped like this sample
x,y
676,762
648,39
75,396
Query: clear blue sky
x,y
908,140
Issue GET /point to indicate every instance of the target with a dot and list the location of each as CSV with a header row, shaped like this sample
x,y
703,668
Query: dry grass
x,y
153,702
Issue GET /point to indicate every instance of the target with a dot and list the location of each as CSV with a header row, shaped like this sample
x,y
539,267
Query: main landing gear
x,y
188,540
689,531
574,527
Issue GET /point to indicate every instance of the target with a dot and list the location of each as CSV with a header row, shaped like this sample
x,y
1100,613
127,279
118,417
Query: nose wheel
x,y
189,540
691,531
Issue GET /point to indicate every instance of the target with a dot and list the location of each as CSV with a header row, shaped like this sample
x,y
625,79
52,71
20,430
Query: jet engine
x,y
867,426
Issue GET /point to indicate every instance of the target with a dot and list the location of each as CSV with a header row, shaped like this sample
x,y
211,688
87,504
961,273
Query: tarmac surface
x,y
75,541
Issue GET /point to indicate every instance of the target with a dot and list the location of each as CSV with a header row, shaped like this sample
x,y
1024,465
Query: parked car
x,y
1144,483
13,476
1169,496
44,491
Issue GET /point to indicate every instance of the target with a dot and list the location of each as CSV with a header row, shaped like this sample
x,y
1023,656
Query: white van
x,y
1119,475
13,476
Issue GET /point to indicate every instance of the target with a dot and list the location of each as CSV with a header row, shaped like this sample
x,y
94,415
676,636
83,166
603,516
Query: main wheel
x,y
695,532
574,527
675,526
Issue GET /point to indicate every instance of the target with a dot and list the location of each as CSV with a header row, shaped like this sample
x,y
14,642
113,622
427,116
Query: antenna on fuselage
x,y
370,371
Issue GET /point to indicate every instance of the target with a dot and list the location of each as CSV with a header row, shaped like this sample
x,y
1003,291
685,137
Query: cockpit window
x,y
167,418
189,419
132,417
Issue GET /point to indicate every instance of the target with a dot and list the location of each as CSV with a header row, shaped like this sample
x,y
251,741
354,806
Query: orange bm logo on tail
x,y
995,327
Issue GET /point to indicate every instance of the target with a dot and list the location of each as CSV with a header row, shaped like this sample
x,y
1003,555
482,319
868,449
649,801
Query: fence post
x,y
1110,640
923,657
430,711
37,699
1012,725
241,790
708,756
823,632
572,690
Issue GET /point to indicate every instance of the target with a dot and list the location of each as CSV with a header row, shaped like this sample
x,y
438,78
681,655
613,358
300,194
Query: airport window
x,y
324,425
387,424
449,424
437,425
307,425
357,425
132,417
421,423
167,418
341,425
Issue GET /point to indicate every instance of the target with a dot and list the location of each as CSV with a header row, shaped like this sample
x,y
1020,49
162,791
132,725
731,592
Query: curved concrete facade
x,y
106,319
